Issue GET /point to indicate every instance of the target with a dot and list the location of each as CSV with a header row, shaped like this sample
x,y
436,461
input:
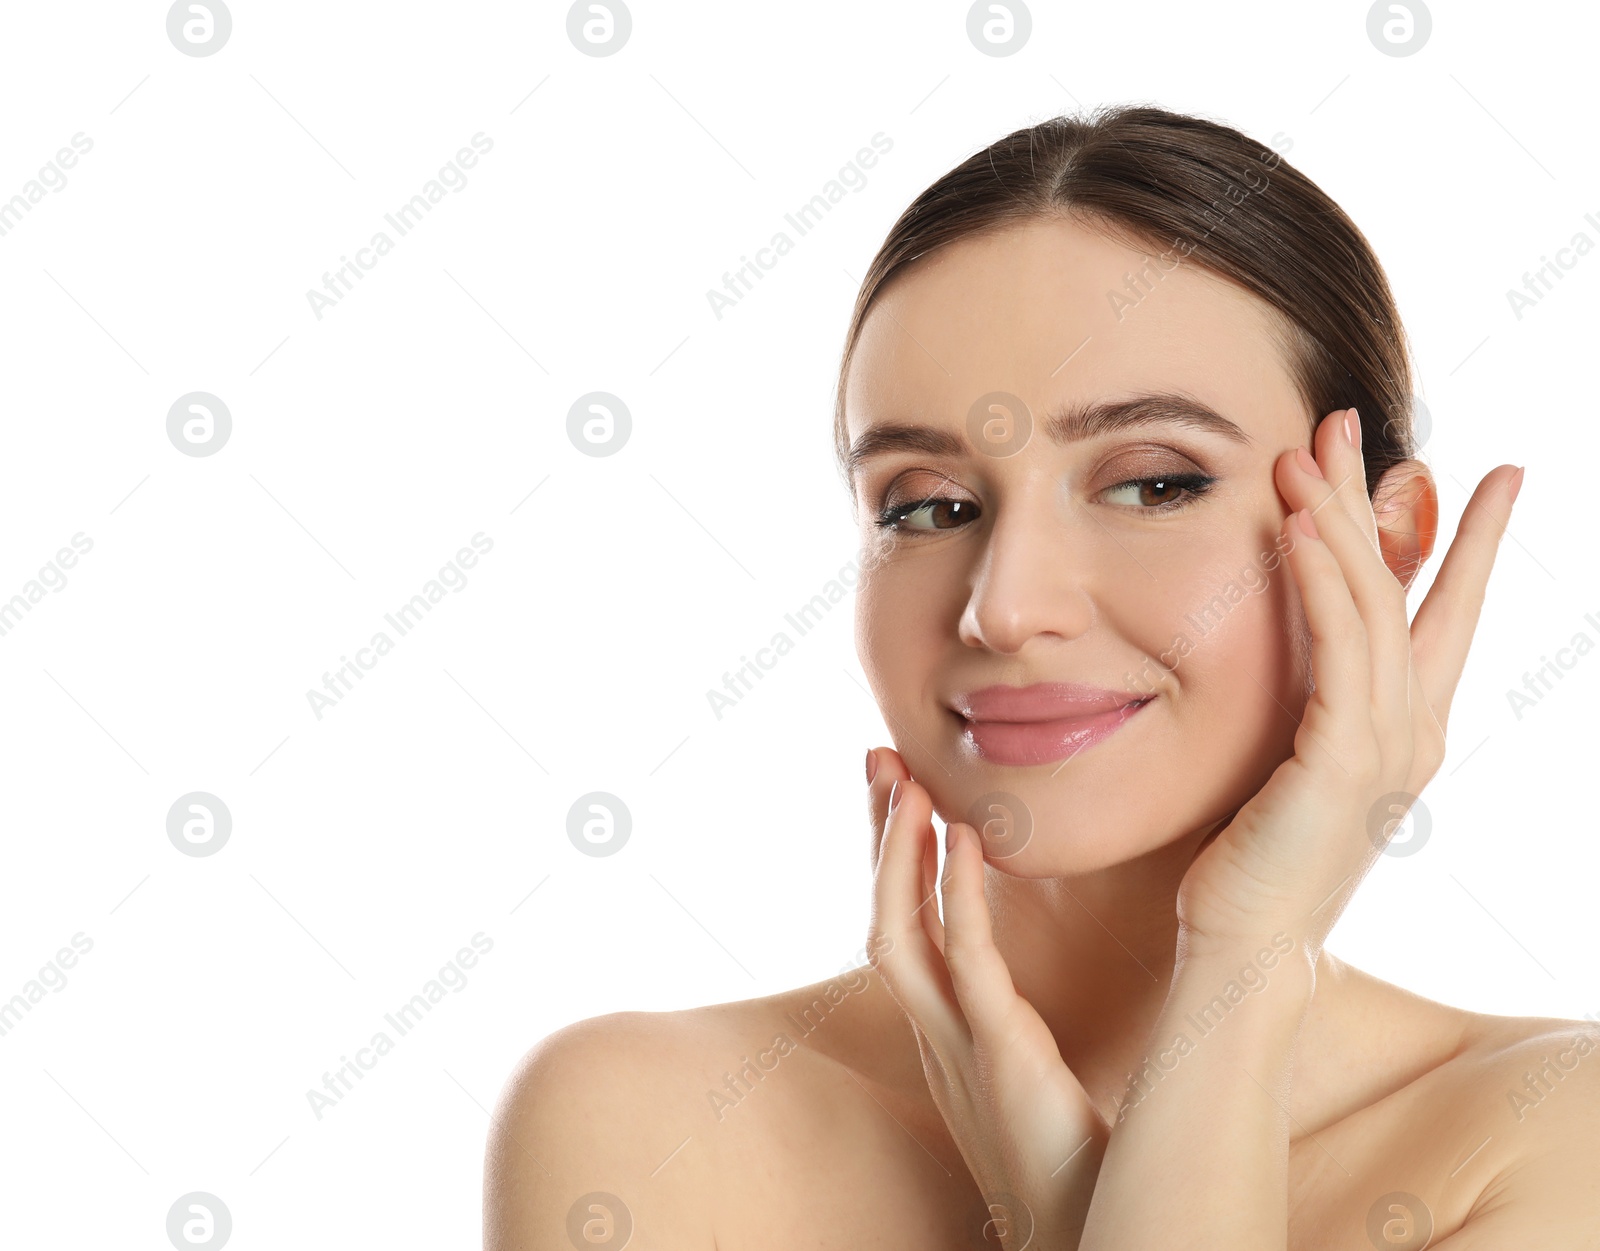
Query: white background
x,y
368,446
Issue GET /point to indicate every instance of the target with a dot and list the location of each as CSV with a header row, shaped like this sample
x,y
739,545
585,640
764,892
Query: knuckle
x,y
1397,746
1430,747
1362,758
1346,631
1407,758
883,947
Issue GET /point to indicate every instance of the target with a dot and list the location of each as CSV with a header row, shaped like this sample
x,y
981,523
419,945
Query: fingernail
x,y
872,765
1308,523
1352,428
949,838
1516,483
1307,462
894,794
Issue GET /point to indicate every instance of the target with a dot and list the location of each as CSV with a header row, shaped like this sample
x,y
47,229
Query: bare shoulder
x,y
1546,1056
624,1120
577,1140
1538,1078
1534,1086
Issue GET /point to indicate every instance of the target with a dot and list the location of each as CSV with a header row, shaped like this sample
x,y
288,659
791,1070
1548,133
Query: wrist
x,y
1276,968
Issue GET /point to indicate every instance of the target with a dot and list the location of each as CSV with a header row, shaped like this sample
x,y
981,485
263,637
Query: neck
x,y
1094,954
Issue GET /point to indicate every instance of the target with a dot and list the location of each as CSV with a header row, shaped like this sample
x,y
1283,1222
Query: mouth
x,y
1041,724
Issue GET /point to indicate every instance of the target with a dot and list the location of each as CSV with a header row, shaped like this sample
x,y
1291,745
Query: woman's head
x,y
1139,296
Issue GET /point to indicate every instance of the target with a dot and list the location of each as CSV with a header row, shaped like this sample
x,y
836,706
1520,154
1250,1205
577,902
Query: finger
x,y
1340,661
928,909
911,965
1442,632
1337,446
1427,739
978,971
1336,717
1379,598
885,767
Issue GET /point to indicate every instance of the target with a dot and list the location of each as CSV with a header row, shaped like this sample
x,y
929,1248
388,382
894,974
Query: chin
x,y
1037,827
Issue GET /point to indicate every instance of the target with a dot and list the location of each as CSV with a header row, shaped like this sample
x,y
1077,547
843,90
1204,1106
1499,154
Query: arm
x,y
1199,1154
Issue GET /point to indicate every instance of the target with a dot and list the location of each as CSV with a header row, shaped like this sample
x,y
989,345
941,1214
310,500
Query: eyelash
x,y
1193,485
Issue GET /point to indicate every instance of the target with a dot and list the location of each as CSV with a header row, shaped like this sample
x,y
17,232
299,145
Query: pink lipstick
x,y
1042,723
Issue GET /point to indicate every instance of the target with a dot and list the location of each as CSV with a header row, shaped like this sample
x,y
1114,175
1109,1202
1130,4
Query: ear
x,y
1405,504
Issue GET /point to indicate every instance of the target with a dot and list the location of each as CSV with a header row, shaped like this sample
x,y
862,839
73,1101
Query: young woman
x,y
1125,411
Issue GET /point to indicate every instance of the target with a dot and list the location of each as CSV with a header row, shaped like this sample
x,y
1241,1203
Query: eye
x,y
936,513
1162,493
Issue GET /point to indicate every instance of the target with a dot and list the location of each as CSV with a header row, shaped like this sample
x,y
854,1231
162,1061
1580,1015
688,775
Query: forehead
x,y
1055,312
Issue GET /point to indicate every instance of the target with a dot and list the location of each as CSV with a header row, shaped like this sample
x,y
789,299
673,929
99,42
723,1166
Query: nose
x,y
1033,575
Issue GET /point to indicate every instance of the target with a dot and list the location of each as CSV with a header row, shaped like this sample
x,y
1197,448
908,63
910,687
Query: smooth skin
x,y
1213,1147
975,1072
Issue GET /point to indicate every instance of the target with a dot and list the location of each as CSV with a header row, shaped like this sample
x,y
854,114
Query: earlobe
x,y
1406,506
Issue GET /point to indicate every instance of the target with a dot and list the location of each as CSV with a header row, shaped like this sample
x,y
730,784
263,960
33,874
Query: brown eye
x,y
1154,491
930,514
1161,493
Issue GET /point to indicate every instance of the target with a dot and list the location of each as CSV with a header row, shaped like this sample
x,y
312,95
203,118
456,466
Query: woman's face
x,y
1084,535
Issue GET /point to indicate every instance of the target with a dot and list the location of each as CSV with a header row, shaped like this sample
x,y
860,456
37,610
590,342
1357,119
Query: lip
x,y
1043,701
1042,723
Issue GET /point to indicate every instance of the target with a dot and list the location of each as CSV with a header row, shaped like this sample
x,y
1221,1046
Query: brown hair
x,y
1169,180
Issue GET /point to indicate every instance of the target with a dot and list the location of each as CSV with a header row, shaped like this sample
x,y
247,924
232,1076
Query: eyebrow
x,y
1069,424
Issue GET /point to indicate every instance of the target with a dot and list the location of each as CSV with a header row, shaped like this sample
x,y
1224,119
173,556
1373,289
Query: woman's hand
x,y
1372,734
1027,1131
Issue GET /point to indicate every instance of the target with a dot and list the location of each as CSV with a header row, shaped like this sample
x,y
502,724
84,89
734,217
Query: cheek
x,y
1220,637
1228,614
906,618
894,645
1190,586
1230,651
